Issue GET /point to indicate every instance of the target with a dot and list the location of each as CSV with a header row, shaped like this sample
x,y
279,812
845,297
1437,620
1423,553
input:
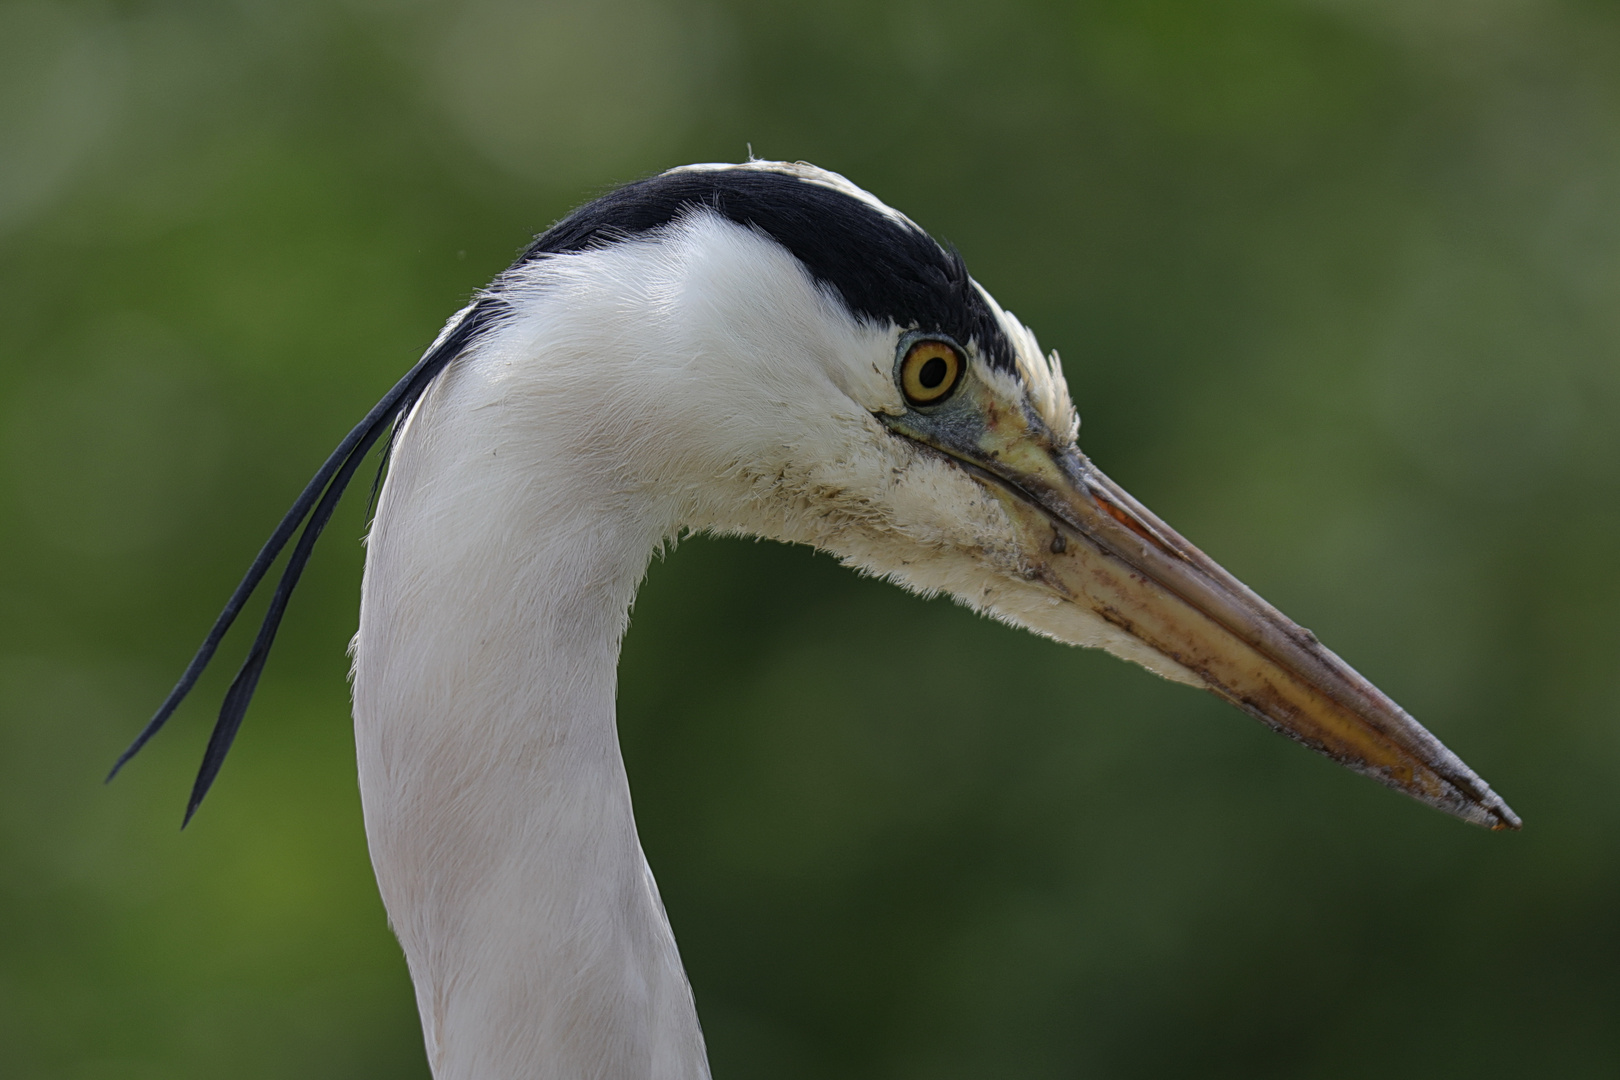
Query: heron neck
x,y
498,578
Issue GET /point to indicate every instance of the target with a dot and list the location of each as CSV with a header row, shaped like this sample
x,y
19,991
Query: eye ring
x,y
931,370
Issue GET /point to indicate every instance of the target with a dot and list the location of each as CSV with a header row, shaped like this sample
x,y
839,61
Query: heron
x,y
759,349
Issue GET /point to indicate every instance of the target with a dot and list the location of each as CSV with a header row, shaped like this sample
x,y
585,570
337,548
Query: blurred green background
x,y
1337,288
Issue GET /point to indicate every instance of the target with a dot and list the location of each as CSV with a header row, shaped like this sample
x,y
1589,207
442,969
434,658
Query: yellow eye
x,y
930,372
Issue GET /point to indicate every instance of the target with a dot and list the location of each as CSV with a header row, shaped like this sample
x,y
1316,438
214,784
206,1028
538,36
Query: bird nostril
x,y
1119,514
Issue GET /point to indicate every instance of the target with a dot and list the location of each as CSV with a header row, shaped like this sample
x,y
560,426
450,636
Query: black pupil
x,y
933,372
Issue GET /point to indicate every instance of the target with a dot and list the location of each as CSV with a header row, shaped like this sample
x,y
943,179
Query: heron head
x,y
765,349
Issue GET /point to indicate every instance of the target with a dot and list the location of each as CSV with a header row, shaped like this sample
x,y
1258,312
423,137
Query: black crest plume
x,y
312,510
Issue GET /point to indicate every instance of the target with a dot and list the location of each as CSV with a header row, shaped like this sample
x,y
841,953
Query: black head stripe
x,y
884,269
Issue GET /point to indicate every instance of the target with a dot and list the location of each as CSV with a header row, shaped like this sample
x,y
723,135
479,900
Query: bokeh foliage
x,y
1337,287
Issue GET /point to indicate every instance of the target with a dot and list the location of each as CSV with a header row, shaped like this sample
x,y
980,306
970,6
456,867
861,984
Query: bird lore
x,y
761,350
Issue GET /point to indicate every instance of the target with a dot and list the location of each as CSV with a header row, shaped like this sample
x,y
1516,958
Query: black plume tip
x,y
312,510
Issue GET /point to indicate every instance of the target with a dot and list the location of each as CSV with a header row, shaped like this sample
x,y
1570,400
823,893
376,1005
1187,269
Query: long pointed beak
x,y
1093,544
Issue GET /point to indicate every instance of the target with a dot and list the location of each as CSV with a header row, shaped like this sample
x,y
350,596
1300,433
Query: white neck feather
x,y
497,806
499,575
